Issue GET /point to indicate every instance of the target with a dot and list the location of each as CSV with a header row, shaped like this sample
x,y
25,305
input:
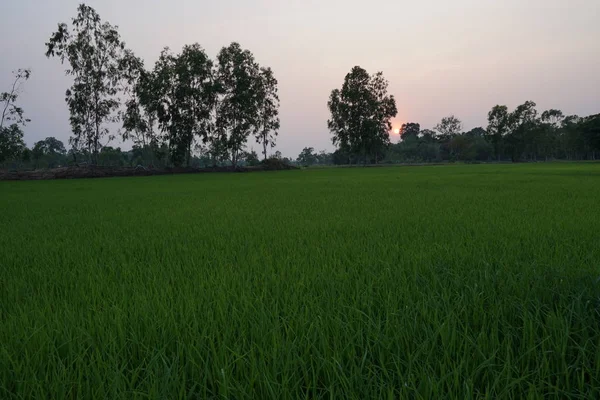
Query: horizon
x,y
478,55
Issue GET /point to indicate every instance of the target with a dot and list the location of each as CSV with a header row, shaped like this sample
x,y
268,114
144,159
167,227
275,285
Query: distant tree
x,y
307,156
251,158
11,136
268,110
551,121
428,135
361,113
498,127
590,128
523,128
324,158
409,129
11,143
449,126
51,149
51,145
241,90
448,129
112,156
93,50
478,132
278,155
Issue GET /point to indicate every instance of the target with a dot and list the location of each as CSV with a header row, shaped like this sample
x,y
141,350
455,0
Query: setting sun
x,y
396,131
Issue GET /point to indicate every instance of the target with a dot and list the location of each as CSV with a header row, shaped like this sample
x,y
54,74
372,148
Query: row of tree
x,y
187,99
360,125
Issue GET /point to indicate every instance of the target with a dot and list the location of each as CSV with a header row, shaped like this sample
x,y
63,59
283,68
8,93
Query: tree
x,y
551,121
478,132
522,130
324,158
268,109
251,158
10,111
182,95
498,126
409,129
51,149
11,137
361,114
11,143
307,156
139,117
241,90
93,49
449,127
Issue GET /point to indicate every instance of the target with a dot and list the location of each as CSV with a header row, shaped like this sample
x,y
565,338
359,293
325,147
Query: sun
x,y
396,131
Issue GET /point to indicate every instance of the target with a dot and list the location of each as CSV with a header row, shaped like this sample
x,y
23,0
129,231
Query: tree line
x,y
361,112
187,103
191,110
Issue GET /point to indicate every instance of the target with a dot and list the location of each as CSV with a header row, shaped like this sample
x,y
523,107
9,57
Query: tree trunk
x,y
265,148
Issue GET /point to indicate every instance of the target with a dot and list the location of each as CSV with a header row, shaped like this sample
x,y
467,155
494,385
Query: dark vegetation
x,y
460,282
190,110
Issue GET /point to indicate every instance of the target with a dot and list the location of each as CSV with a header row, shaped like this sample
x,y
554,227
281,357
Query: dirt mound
x,y
77,172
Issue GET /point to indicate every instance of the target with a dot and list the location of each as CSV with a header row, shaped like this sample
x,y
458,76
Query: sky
x,y
440,57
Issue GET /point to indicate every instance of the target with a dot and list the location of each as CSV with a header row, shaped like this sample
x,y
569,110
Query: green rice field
x,y
463,281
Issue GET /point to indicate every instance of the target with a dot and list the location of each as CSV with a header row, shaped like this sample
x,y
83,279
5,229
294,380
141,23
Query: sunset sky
x,y
441,57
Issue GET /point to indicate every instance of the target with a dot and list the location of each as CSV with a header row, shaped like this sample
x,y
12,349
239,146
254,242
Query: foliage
x,y
361,114
93,50
251,158
10,111
242,93
183,97
50,150
11,136
268,110
307,156
11,143
409,129
352,283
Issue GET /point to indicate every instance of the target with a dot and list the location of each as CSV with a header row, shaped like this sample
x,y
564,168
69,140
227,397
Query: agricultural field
x,y
466,281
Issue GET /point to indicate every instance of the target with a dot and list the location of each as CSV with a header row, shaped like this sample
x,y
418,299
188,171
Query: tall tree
x,y
183,95
361,114
240,90
268,110
92,49
139,117
11,136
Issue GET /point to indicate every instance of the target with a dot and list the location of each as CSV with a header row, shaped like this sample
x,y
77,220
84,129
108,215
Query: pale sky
x,y
441,57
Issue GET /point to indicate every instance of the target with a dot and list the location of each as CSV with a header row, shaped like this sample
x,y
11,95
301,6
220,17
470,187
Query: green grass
x,y
417,282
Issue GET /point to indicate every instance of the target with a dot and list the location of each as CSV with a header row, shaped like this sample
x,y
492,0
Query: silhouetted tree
x,y
11,136
268,110
409,129
93,49
361,113
241,97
